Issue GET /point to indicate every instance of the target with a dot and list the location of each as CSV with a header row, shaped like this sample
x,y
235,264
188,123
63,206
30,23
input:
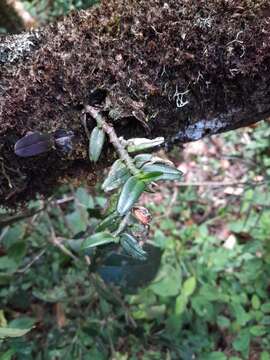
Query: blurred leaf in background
x,y
46,10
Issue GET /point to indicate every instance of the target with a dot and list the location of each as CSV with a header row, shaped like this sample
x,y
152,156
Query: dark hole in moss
x,y
97,96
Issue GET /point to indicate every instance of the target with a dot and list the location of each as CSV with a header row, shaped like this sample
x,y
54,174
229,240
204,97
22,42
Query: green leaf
x,y
168,282
258,330
189,287
255,301
215,355
17,251
52,295
6,332
139,144
132,247
266,307
14,234
242,342
85,198
130,193
7,264
7,355
142,159
24,322
109,223
117,176
76,246
150,176
180,304
77,221
168,172
96,143
265,355
223,322
242,317
97,239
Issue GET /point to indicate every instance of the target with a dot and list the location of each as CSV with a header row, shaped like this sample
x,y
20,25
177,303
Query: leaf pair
x,y
117,176
137,184
119,173
96,143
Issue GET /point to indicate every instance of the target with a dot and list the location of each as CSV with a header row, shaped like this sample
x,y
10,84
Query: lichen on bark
x,y
180,69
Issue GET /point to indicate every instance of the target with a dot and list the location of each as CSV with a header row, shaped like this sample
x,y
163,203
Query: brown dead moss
x,y
162,64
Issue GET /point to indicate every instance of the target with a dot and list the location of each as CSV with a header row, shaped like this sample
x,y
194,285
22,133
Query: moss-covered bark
x,y
180,69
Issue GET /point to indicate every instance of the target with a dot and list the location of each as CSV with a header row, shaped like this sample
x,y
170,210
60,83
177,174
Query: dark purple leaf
x,y
33,144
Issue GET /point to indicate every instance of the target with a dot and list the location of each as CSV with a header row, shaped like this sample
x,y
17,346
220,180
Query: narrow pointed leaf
x,y
109,223
117,176
159,160
139,144
142,159
96,143
132,247
6,332
150,176
131,192
168,172
76,246
97,239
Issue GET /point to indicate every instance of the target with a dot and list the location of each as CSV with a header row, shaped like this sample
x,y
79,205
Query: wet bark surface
x,y
178,69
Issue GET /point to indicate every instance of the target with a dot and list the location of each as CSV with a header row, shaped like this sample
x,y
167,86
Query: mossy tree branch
x,y
178,69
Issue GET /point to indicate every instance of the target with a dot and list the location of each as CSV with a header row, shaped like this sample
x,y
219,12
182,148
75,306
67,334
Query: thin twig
x,y
220,184
9,220
57,241
64,200
123,224
3,233
172,202
35,259
109,130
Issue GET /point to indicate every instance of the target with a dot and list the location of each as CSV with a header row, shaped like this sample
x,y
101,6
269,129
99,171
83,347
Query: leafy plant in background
x,y
45,10
207,301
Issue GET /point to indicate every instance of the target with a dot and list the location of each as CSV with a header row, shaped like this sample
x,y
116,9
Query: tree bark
x,y
178,69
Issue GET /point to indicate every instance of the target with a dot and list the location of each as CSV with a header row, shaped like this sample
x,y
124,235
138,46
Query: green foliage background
x,y
47,10
208,301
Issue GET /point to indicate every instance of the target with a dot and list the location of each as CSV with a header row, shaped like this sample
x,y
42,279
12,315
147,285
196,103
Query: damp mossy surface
x,y
155,67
